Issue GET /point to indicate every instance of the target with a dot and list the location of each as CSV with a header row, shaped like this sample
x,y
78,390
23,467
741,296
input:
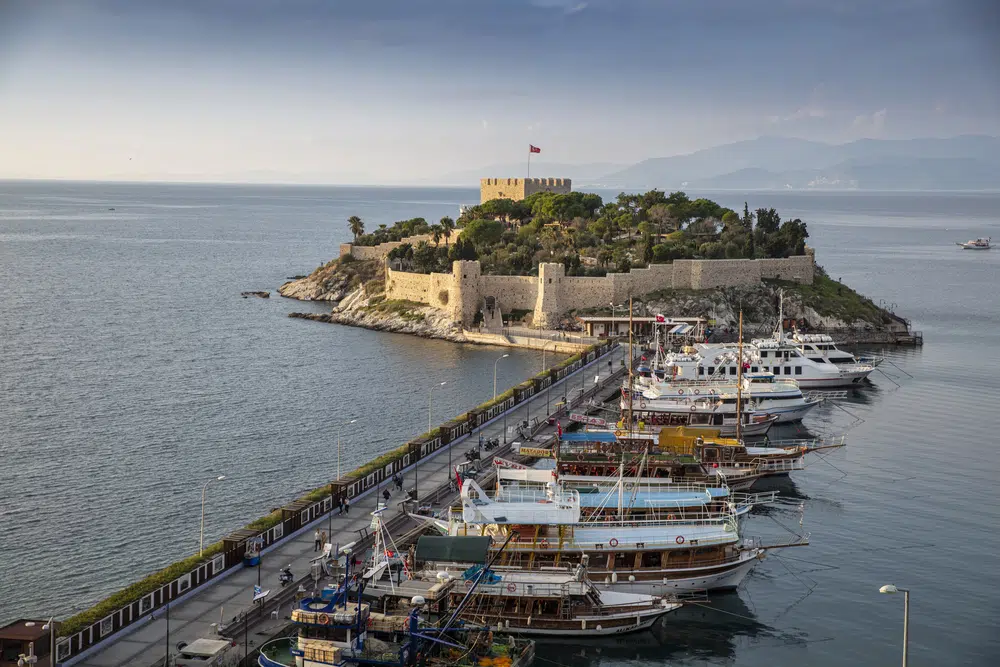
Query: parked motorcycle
x,y
285,576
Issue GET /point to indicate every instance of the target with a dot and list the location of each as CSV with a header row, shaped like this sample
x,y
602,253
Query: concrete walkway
x,y
193,617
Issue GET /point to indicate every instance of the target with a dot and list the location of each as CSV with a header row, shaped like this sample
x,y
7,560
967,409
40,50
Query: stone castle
x,y
519,188
463,292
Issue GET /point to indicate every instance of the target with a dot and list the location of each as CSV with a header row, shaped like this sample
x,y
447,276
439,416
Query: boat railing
x,y
517,494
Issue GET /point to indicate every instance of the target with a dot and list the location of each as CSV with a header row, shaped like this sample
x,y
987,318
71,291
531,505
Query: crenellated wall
x,y
519,188
553,293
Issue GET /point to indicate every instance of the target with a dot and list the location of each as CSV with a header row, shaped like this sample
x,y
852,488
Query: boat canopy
x,y
589,436
461,549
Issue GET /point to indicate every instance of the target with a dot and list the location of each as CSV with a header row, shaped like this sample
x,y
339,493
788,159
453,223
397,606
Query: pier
x,y
216,597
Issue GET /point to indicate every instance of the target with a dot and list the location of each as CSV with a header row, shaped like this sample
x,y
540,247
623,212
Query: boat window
x,y
717,420
798,370
818,360
732,370
788,370
753,369
711,370
763,354
701,370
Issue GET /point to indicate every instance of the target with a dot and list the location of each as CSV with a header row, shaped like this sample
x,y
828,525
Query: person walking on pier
x,y
317,544
386,495
347,506
322,539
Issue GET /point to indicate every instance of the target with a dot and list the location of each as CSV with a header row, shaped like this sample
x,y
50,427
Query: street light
x,y
201,541
51,627
495,375
613,318
549,386
430,393
340,426
891,589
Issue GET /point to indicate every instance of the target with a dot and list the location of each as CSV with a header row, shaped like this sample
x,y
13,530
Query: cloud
x,y
870,124
567,6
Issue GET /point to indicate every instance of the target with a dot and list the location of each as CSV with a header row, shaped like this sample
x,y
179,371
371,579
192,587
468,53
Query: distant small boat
x,y
978,244
262,295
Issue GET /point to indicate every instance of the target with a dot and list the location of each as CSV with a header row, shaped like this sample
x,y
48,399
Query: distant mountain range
x,y
968,162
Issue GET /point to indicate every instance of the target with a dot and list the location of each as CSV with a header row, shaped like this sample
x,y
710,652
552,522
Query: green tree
x,y
448,226
356,225
424,258
436,233
483,233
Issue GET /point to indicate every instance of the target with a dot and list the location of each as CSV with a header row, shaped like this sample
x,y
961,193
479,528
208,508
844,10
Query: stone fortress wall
x,y
519,188
381,251
463,291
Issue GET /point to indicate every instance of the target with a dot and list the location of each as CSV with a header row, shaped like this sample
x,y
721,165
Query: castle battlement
x,y
519,188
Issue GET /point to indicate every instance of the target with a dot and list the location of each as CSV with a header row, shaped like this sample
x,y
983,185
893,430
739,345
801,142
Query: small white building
x,y
607,326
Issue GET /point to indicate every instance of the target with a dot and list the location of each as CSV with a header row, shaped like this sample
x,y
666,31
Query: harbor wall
x,y
463,292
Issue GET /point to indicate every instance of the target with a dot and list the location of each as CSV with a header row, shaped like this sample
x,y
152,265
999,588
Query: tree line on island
x,y
589,236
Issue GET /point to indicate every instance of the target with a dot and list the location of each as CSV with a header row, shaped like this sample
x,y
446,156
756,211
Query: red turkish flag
x,y
534,149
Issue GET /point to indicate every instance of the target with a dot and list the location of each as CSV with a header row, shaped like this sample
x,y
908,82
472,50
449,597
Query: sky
x,y
400,91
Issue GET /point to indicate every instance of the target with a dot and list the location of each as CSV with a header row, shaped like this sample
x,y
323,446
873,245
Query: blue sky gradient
x,y
390,91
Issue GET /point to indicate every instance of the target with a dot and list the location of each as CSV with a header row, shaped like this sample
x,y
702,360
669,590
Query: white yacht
x,y
977,244
820,346
761,391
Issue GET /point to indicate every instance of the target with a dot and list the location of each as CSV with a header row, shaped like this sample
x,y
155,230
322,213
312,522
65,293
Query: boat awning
x,y
680,329
589,436
462,549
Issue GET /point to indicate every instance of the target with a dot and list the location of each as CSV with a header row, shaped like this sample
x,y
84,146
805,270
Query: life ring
x,y
680,392
619,433
511,587
613,542
579,457
544,544
697,391
671,517
642,403
323,619
694,408
680,539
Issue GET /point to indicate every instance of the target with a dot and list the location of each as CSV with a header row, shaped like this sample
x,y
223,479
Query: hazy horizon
x,y
396,93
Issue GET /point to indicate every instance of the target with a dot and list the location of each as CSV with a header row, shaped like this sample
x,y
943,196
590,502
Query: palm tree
x,y
447,226
356,225
436,234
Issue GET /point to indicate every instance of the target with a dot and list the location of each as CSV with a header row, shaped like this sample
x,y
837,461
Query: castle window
x,y
550,281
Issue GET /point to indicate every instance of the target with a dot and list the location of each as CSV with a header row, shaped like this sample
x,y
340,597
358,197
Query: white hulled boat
x,y
977,244
821,346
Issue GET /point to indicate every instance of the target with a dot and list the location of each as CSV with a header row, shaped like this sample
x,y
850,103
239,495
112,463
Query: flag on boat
x,y
458,479
534,149
660,318
558,429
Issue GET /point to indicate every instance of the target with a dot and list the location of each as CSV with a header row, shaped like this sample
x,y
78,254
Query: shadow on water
x,y
702,630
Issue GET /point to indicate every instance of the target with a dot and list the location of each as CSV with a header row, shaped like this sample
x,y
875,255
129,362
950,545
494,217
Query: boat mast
x,y
628,416
739,382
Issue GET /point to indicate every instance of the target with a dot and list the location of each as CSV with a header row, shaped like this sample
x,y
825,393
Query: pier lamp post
x,y
891,589
51,627
430,394
549,386
495,375
204,489
340,426
613,323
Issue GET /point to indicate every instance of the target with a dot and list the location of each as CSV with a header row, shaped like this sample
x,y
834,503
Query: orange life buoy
x,y
613,542
323,619
680,539
670,517
544,544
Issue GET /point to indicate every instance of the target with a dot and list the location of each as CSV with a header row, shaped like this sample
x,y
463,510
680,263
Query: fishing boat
x,y
698,412
977,244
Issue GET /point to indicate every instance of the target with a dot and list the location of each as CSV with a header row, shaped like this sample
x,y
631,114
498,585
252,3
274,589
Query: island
x,y
549,258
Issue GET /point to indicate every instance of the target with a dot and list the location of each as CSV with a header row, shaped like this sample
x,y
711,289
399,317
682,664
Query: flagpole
x,y
529,162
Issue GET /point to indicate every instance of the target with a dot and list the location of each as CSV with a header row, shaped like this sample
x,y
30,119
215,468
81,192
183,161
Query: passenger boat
x,y
763,392
706,411
650,556
821,347
776,355
331,629
977,244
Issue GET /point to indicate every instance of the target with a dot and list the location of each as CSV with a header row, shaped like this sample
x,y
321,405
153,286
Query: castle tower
x,y
519,188
548,302
463,295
